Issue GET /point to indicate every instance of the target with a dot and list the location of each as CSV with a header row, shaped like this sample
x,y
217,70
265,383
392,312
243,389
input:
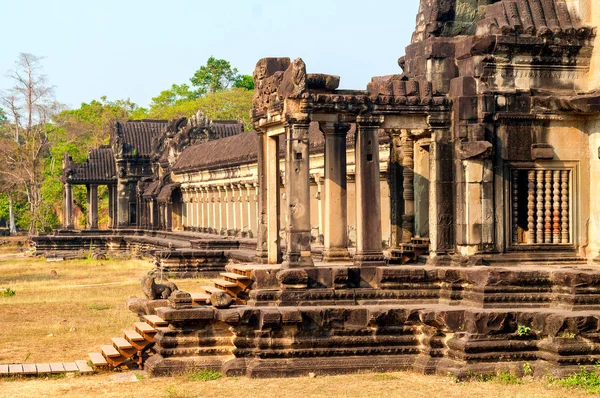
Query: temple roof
x,y
137,135
99,168
449,18
242,149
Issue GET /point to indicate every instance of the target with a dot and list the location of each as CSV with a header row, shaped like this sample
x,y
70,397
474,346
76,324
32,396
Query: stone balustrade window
x,y
541,206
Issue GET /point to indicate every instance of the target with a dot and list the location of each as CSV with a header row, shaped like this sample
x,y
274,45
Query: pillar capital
x,y
369,121
334,128
297,120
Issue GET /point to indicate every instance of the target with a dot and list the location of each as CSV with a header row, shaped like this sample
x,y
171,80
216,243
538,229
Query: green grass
x,y
584,379
204,375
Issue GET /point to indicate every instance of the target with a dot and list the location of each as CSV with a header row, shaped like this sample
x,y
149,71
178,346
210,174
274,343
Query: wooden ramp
x,y
121,351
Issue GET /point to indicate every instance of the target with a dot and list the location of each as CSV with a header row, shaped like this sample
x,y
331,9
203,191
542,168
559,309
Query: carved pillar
x,y
214,203
111,220
202,206
200,209
531,207
396,190
273,199
68,208
564,207
92,196
556,207
515,207
408,190
297,188
243,219
169,215
548,207
335,214
233,216
368,200
321,200
539,232
262,203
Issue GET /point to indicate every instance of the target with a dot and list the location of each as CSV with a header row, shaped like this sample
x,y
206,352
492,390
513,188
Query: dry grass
x,y
45,305
79,317
361,385
13,244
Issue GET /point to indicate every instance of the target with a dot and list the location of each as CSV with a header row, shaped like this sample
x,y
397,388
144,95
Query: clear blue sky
x,y
135,49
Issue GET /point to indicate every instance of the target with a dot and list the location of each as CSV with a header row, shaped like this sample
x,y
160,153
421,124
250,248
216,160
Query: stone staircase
x,y
234,283
409,252
131,347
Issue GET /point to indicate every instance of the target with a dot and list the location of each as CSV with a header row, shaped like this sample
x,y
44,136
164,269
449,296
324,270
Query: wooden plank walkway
x,y
33,369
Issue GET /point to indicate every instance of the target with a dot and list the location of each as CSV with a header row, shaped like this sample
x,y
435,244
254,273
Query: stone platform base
x,y
295,341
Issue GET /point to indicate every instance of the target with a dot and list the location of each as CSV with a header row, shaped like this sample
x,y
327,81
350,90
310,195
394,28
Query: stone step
x,y
144,328
57,367
132,335
223,283
211,289
200,298
234,276
109,351
45,368
29,369
121,343
83,366
70,367
155,321
15,369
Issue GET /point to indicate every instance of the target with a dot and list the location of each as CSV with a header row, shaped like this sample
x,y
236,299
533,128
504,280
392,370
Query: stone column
x,y
92,195
183,209
114,206
242,219
110,206
297,187
396,188
408,189
202,205
335,228
261,203
273,196
68,208
169,215
197,209
368,201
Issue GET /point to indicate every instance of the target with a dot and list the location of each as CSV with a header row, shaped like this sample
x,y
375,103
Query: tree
x,y
245,81
231,104
176,94
215,76
30,106
89,125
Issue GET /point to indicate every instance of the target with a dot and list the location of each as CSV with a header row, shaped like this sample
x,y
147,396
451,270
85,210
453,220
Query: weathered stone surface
x,y
319,81
221,300
293,279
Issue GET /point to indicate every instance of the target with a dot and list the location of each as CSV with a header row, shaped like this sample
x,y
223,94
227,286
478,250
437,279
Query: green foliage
x,y
567,335
176,94
527,369
21,209
2,116
584,379
8,292
204,375
245,81
231,104
523,330
504,377
215,76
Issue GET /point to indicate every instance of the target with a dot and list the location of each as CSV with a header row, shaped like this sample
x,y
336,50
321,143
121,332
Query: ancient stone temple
x,y
476,164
